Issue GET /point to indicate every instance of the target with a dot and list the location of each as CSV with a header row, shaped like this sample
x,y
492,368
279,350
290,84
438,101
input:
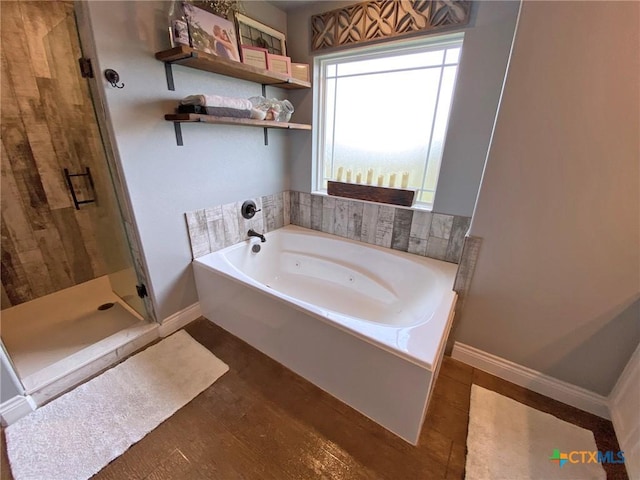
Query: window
x,y
386,109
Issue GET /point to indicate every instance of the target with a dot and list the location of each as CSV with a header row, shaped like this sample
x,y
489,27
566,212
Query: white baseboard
x,y
179,319
533,380
623,404
15,408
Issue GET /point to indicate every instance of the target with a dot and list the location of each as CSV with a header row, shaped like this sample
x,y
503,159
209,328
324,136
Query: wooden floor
x,y
261,421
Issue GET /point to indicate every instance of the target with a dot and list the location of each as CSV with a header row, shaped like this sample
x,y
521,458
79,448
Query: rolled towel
x,y
217,101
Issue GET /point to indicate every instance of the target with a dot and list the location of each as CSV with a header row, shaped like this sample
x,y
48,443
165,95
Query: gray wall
x,y
218,164
557,283
487,44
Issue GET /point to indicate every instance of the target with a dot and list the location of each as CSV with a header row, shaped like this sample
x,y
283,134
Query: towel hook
x,y
113,78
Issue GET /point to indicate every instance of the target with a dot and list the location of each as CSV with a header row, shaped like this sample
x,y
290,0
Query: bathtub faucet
x,y
253,233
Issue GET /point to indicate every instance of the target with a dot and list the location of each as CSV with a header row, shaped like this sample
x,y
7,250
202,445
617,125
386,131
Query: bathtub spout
x,y
253,233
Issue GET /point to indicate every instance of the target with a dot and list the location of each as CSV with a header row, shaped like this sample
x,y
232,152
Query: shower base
x,y
58,340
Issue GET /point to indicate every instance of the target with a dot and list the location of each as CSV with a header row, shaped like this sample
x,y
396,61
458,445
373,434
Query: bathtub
x,y
364,323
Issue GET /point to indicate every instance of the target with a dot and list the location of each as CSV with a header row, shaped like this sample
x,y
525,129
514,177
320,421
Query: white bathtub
x,y
366,324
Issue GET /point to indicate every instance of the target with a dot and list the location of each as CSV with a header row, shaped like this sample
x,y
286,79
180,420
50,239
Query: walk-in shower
x,y
65,249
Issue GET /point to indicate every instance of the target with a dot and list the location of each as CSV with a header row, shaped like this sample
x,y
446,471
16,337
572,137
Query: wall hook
x,y
113,78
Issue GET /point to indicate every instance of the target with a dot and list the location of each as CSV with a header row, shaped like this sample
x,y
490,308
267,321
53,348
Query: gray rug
x,y
511,441
78,434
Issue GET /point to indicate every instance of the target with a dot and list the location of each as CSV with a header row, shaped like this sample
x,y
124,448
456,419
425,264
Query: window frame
x,y
381,50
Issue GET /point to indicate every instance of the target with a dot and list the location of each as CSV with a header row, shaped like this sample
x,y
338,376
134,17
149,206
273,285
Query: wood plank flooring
x,y
261,421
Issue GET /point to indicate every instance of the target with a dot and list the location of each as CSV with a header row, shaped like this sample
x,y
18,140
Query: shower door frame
x,y
114,163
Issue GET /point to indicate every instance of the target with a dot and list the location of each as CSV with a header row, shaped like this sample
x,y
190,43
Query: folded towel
x,y
215,111
217,101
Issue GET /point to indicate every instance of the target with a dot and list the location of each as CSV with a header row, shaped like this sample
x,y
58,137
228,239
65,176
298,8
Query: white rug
x,y
78,434
511,441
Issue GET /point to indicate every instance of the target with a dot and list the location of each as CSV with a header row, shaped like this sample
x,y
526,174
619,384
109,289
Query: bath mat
x,y
78,434
508,440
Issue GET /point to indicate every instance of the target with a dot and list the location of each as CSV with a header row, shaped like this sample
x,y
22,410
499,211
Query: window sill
x,y
416,207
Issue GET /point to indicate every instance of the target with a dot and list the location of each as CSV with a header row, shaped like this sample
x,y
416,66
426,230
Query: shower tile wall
x,y
434,235
47,245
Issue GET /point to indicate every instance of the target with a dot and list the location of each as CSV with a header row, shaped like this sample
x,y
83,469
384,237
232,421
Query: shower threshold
x,y
58,340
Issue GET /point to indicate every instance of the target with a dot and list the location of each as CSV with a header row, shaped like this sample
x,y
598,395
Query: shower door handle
x,y
74,196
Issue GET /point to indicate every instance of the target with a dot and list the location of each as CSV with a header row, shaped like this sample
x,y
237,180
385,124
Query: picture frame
x,y
254,56
257,34
279,64
210,33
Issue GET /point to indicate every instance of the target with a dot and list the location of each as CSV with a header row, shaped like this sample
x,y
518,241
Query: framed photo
x,y
279,64
210,33
256,34
254,56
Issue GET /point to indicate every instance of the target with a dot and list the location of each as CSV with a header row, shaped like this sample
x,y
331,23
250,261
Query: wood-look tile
x,y
341,217
316,212
417,246
262,421
38,28
321,412
73,245
14,216
176,465
456,393
420,224
51,247
4,298
215,228
90,229
48,123
437,444
457,370
369,222
294,211
37,277
198,234
269,207
280,215
232,234
286,207
384,226
328,214
14,46
459,229
354,227
63,55
437,248
401,229
14,275
441,226
447,420
304,210
457,460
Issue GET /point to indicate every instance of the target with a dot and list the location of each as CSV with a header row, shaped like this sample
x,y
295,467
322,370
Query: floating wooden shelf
x,y
372,193
188,57
247,122
178,118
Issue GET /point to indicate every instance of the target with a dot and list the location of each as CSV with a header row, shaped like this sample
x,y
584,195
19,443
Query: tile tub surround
x,y
213,228
429,234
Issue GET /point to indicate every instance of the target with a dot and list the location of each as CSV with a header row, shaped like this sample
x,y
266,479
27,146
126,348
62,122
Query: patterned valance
x,y
374,20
